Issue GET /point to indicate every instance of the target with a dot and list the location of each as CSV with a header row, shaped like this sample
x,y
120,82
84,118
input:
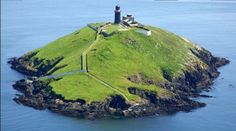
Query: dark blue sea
x,y
29,24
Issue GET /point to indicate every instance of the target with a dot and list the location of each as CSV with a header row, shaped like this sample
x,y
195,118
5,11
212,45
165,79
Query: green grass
x,y
115,58
129,53
70,47
97,24
81,86
111,28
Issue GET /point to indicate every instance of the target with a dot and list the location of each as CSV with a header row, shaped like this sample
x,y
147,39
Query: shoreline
x,y
39,94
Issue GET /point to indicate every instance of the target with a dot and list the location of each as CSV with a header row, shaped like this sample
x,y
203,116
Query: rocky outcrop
x,y
141,79
208,58
32,66
38,94
189,84
151,96
194,80
167,105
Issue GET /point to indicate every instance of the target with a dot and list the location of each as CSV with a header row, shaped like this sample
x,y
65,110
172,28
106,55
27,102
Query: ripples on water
x,y
28,24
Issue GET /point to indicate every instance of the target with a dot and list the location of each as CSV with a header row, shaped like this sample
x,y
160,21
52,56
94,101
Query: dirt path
x,y
84,68
84,54
85,65
61,74
106,84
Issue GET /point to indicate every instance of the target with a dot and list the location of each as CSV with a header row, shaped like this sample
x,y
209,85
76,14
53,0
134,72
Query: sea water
x,y
29,24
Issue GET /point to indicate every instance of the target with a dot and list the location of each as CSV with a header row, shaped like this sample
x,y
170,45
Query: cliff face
x,y
162,83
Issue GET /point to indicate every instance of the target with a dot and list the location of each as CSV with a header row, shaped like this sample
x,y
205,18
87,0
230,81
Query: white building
x,y
145,32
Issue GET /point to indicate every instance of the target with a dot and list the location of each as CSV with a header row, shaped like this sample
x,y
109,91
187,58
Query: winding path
x,y
84,66
61,74
106,84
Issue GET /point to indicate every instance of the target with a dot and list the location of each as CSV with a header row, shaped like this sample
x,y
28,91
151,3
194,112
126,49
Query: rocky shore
x,y
39,95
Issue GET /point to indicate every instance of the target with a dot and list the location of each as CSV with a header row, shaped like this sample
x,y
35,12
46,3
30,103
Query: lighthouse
x,y
117,15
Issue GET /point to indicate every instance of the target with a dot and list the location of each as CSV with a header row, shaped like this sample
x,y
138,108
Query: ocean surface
x,y
29,24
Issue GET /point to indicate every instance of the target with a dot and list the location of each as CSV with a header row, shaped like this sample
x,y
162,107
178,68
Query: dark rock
x,y
34,67
151,96
39,94
232,86
206,96
117,102
140,78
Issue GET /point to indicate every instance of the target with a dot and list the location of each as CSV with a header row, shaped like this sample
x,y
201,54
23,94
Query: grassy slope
x,y
115,58
112,28
70,47
81,86
129,53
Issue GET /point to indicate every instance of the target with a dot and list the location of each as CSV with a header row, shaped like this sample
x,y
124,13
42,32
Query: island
x,y
115,70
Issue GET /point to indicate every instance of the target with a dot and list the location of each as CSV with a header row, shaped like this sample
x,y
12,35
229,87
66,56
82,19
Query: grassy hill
x,y
113,59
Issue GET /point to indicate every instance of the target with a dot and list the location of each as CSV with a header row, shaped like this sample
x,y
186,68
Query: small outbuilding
x,y
144,31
